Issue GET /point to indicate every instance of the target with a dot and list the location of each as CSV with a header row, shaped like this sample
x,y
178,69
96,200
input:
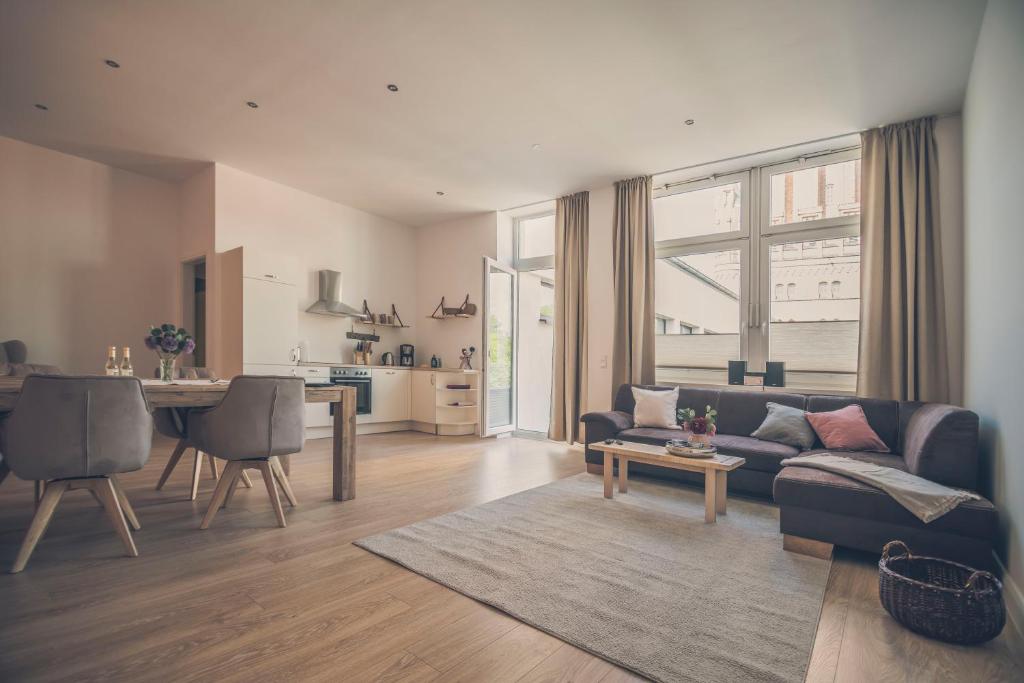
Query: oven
x,y
358,378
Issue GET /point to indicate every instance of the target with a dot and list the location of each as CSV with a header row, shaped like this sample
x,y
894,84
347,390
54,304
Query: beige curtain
x,y
569,376
902,312
633,273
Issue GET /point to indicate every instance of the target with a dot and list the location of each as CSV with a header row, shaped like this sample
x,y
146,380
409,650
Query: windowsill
x,y
815,391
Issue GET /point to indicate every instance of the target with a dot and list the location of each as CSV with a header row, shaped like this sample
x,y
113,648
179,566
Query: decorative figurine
x,y
465,360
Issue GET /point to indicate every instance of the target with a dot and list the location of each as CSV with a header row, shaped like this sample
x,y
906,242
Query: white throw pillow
x,y
655,408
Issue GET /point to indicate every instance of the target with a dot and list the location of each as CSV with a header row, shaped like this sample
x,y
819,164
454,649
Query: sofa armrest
x,y
601,426
611,422
941,444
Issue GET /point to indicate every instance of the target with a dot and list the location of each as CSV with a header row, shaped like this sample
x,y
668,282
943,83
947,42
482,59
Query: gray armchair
x,y
259,419
173,422
78,433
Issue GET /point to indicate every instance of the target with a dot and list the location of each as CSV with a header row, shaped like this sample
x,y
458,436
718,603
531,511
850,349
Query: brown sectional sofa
x,y
934,441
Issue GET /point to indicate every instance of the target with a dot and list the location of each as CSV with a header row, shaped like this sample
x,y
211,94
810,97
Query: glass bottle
x,y
126,362
111,367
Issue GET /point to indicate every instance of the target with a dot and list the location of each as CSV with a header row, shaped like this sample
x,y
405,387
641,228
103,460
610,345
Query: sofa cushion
x,y
655,409
787,425
811,489
846,429
882,415
763,456
689,397
741,412
698,399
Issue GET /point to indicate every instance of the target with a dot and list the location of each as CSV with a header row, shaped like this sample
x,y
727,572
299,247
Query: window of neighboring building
x,y
803,241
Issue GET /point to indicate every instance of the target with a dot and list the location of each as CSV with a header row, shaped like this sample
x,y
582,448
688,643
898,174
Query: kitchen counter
x,y
385,367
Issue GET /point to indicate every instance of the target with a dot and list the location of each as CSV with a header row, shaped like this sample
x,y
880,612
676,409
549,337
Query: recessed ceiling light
x,y
42,107
252,104
111,63
392,87
535,147
439,193
688,122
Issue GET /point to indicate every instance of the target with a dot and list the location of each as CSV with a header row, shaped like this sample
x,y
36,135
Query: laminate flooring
x,y
247,601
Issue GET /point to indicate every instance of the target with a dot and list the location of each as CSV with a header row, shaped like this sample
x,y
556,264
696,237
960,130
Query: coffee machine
x,y
405,355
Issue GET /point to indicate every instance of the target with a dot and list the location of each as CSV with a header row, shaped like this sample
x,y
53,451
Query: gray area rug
x,y
639,580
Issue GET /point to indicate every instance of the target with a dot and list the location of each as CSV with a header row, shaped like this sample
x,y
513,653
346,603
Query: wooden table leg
x,y
623,474
710,488
608,465
345,445
720,492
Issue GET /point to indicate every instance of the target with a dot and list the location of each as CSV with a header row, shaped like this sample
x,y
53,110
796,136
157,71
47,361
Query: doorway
x,y
193,309
499,348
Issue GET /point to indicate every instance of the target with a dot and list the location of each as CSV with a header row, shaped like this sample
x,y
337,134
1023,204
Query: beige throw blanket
x,y
925,499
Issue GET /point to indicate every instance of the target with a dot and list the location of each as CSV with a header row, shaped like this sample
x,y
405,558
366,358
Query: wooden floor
x,y
247,601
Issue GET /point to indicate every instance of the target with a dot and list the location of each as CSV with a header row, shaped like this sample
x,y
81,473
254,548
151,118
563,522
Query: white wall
x,y
994,310
449,263
87,257
376,256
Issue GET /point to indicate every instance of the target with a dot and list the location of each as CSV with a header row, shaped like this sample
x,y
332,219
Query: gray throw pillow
x,y
787,425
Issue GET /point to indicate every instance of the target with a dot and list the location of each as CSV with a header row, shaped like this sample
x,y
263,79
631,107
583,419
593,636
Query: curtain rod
x,y
743,156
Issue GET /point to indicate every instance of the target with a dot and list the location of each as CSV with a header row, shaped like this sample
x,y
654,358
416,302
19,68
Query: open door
x,y
499,335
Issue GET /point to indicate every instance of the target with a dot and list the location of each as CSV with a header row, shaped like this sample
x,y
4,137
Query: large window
x,y
761,265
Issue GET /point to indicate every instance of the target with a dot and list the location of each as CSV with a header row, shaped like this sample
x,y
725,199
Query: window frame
x,y
532,262
739,244
672,189
803,163
756,238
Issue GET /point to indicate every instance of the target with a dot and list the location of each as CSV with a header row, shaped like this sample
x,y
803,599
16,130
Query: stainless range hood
x,y
329,302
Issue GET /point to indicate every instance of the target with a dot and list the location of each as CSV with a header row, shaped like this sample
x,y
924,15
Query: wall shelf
x,y
374,319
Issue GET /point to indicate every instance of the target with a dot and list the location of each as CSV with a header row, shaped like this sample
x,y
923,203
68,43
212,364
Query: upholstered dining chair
x,y
78,433
259,419
173,422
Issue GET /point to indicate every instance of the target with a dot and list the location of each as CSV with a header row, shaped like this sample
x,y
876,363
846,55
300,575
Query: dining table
x,y
205,393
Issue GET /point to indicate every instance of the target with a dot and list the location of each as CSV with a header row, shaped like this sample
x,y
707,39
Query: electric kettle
x,y
387,358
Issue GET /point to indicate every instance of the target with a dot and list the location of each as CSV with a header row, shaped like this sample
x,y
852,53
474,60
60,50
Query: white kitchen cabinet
x,y
270,321
424,397
440,409
389,398
270,266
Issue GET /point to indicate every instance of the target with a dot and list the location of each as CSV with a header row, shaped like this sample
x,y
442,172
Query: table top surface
x,y
657,455
188,393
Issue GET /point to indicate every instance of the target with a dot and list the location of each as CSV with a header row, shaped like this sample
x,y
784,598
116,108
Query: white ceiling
x,y
603,86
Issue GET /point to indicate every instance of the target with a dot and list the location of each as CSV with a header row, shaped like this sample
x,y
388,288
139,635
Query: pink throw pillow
x,y
846,429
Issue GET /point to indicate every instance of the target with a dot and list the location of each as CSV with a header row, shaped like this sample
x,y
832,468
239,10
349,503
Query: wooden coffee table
x,y
716,470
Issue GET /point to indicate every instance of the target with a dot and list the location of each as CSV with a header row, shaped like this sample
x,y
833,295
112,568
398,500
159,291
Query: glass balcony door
x,y
499,348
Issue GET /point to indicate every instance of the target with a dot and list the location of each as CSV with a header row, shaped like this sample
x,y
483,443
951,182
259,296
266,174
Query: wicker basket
x,y
940,599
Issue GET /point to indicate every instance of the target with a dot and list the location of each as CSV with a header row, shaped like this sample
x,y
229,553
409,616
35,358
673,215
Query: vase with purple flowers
x,y
169,342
